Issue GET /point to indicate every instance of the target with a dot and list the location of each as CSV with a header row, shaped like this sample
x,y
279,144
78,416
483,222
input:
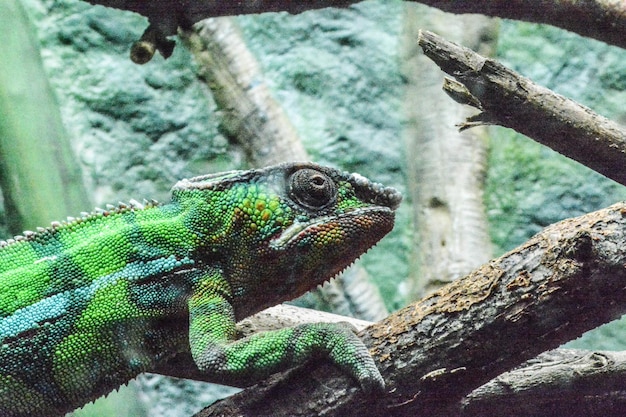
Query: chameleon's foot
x,y
349,353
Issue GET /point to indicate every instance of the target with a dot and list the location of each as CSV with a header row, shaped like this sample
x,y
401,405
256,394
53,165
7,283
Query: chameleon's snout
x,y
376,192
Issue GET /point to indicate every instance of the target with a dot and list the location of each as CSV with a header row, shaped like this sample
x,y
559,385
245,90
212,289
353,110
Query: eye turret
x,y
312,189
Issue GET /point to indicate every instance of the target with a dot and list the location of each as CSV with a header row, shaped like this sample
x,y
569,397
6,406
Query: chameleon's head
x,y
288,228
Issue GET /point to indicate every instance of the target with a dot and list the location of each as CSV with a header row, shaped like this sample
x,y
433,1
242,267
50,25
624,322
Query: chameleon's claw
x,y
356,359
371,381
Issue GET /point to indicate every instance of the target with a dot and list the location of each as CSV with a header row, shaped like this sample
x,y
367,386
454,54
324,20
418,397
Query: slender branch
x,y
568,279
249,113
604,20
562,382
508,99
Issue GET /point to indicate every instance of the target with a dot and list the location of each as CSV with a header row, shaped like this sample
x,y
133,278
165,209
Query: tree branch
x,y
507,99
567,279
562,382
604,20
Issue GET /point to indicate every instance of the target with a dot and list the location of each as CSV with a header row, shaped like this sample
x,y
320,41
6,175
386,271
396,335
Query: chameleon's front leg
x,y
251,359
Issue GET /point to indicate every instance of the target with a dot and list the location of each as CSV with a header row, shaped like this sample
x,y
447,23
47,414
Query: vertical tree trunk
x,y
39,175
250,115
445,167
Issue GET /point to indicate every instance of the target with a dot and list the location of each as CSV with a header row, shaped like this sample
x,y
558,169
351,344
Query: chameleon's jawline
x,y
294,232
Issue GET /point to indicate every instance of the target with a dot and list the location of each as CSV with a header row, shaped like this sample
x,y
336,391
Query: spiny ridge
x,y
84,216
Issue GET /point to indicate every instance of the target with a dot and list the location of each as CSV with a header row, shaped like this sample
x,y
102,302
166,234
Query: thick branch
x,y
510,100
568,279
563,382
604,20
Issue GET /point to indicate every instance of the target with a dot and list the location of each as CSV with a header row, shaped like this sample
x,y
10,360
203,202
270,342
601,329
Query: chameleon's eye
x,y
312,188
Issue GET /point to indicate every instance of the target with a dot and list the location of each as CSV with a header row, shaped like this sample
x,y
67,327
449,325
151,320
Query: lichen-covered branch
x,y
508,99
604,20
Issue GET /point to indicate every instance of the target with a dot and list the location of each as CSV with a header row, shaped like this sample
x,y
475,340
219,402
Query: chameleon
x,y
89,303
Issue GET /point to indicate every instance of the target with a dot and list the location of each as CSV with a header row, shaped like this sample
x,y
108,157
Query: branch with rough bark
x,y
564,382
604,20
566,280
508,99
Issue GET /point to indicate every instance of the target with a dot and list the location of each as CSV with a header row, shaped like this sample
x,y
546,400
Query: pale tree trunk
x,y
445,167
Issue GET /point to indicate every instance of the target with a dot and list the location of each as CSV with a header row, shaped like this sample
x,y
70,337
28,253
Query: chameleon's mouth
x,y
322,248
378,217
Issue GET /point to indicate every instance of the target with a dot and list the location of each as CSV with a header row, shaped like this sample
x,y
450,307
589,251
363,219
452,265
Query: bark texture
x,y
508,99
567,279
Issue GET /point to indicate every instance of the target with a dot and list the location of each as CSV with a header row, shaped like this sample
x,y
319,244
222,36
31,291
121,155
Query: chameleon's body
x,y
88,304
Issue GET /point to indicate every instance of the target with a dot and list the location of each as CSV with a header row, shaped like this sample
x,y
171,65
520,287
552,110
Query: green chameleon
x,y
88,304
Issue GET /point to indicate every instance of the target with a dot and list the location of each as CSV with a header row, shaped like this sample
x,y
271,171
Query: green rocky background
x,y
135,130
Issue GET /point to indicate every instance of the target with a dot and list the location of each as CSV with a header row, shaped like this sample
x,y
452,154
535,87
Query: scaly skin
x,y
88,304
